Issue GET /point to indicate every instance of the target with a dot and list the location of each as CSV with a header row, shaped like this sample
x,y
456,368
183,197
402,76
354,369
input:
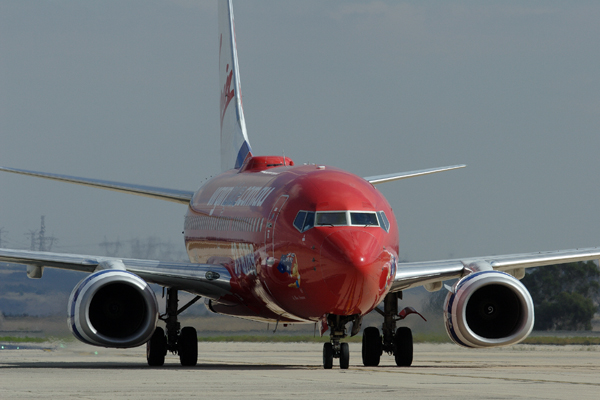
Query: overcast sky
x,y
128,91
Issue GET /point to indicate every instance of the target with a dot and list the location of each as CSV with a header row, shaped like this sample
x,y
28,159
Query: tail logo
x,y
226,94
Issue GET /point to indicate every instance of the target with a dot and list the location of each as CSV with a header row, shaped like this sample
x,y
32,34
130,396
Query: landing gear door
x,y
270,231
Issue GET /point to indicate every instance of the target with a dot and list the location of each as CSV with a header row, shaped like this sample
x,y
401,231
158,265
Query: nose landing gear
x,y
330,352
336,349
178,341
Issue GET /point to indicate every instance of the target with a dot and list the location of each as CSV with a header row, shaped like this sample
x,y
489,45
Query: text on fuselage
x,y
253,196
243,258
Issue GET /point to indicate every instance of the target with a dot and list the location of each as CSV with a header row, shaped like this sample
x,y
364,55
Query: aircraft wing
x,y
177,196
208,280
410,174
431,273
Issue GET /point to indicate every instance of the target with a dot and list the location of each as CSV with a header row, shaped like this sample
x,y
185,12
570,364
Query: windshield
x,y
332,218
305,220
363,218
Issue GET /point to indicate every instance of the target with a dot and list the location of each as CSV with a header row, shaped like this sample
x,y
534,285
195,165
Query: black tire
x,y
327,356
188,347
371,347
156,348
344,356
403,347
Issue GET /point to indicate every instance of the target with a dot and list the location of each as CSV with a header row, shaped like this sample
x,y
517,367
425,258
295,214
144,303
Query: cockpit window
x,y
332,218
363,218
299,221
304,220
385,224
307,219
309,222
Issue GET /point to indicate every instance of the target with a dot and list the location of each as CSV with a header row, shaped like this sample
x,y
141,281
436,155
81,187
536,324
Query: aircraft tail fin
x,y
235,147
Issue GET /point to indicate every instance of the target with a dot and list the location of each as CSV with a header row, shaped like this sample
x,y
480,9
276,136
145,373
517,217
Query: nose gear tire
x,y
344,356
327,356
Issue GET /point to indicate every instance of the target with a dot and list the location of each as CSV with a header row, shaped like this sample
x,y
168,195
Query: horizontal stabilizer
x,y
177,196
410,174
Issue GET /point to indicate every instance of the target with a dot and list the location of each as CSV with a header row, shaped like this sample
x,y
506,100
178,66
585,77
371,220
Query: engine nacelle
x,y
488,309
112,308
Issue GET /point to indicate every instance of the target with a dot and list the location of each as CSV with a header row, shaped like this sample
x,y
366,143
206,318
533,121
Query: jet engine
x,y
488,309
113,308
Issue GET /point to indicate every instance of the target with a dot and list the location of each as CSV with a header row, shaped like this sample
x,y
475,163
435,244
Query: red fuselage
x,y
300,242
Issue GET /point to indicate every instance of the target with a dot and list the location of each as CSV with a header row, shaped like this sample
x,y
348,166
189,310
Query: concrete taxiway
x,y
292,370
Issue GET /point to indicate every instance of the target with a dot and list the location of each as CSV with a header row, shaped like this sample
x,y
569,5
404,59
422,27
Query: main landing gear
x,y
336,349
396,342
183,342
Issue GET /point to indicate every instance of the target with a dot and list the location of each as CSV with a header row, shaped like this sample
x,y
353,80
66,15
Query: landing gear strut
x,y
336,349
396,342
178,341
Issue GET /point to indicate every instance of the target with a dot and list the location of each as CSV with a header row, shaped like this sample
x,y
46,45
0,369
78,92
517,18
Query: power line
x,y
38,239
45,243
2,231
31,235
111,249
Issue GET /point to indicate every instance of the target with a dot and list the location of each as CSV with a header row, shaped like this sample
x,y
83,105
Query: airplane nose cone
x,y
354,267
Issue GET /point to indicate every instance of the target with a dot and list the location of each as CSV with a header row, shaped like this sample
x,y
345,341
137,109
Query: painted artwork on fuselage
x,y
289,265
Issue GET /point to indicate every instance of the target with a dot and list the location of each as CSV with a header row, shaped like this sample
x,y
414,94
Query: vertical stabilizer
x,y
235,146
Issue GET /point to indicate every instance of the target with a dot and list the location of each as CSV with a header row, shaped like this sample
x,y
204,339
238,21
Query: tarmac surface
x,y
293,371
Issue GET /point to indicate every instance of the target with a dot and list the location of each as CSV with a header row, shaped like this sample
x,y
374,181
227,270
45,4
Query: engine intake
x,y
113,308
488,309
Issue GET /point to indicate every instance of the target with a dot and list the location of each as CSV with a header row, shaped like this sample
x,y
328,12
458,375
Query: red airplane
x,y
272,241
